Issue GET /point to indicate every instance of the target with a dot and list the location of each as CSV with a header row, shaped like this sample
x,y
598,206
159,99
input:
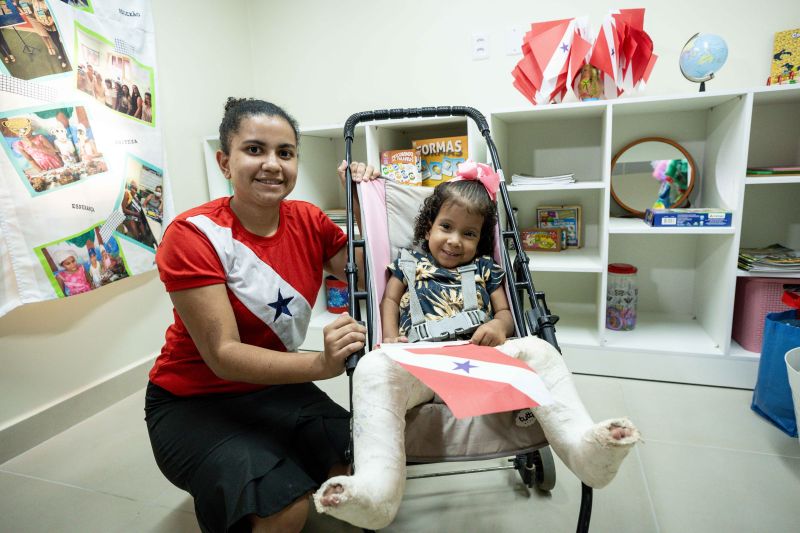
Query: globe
x,y
702,57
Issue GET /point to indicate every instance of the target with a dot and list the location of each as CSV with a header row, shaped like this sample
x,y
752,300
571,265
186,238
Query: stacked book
x,y
519,180
772,171
773,258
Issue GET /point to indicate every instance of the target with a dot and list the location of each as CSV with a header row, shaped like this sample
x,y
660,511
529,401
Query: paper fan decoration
x,y
562,54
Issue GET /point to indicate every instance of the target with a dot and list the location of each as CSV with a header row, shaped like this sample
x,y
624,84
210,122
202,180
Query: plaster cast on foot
x,y
382,393
589,450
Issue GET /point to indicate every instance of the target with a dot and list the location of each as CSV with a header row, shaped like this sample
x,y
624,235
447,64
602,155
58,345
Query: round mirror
x,y
652,172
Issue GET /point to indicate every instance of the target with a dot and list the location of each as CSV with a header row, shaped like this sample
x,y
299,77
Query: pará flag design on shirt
x,y
472,380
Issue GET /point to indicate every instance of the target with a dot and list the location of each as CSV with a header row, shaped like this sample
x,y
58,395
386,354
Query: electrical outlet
x,y
514,36
480,46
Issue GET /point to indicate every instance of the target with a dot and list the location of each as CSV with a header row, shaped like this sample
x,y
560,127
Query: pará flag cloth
x,y
472,380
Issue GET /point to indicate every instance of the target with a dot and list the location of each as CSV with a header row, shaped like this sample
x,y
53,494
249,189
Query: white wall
x,y
351,55
53,350
323,61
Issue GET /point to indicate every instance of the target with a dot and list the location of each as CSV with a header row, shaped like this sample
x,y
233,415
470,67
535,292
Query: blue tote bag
x,y
772,397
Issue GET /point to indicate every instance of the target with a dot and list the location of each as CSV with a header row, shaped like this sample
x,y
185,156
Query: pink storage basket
x,y
755,297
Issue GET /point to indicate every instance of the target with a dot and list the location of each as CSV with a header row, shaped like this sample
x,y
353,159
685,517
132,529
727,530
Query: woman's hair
x,y
469,194
238,108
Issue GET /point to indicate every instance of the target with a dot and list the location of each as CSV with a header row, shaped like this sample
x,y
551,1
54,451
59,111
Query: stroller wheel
x,y
544,469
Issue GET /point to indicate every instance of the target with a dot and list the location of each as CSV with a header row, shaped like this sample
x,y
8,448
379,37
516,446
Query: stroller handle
x,y
415,112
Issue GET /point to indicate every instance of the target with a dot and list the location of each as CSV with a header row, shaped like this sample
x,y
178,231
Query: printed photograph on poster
x,y
82,262
115,80
30,41
51,147
142,202
83,5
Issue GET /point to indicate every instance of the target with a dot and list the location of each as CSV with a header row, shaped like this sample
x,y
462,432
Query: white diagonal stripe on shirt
x,y
522,379
255,284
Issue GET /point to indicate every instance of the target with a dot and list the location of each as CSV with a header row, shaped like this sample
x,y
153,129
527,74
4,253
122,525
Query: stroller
x,y
386,208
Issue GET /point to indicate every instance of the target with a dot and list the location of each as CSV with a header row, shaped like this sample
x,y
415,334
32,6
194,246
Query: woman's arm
x,y
390,311
495,332
209,318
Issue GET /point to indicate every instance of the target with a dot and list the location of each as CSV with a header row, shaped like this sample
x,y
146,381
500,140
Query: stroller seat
x,y
433,434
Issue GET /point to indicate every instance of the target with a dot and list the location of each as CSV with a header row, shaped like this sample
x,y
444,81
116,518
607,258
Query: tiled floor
x,y
707,464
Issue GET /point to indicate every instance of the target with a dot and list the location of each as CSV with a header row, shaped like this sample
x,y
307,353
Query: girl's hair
x,y
469,194
238,108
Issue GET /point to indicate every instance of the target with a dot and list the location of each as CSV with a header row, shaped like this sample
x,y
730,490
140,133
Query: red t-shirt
x,y
272,283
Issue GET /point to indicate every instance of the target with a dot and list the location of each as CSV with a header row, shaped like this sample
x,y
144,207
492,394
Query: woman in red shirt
x,y
232,413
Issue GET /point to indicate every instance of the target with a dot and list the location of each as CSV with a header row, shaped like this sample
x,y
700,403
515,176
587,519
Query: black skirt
x,y
243,454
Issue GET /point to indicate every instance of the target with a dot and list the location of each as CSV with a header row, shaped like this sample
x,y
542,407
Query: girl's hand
x,y
343,337
490,334
359,171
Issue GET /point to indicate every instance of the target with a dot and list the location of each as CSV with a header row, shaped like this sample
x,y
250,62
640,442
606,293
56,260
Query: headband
x,y
470,170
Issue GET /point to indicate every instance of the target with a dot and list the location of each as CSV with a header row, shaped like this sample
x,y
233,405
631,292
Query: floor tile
x,y
499,502
109,452
35,505
701,489
706,416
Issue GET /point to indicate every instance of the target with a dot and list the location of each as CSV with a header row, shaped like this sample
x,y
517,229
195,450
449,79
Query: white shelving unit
x,y
687,276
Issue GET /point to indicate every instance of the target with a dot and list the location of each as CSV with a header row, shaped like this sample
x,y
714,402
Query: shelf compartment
x,y
775,129
664,332
618,225
575,298
591,201
549,142
569,260
684,279
770,215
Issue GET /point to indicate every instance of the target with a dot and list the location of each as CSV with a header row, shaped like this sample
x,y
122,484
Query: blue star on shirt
x,y
564,47
281,305
465,366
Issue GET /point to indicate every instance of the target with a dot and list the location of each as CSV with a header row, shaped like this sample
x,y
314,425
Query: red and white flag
x,y
472,380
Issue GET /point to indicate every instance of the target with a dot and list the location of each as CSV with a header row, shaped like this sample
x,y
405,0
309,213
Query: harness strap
x,y
408,264
468,290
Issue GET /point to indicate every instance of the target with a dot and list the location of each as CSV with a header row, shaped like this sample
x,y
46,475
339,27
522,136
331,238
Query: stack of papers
x,y
773,258
338,216
524,179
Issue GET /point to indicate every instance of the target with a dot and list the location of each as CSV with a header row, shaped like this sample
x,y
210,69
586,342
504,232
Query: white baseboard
x,y
32,429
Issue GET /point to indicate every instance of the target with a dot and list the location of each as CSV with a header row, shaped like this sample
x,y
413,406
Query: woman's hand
x,y
490,334
392,340
343,337
359,171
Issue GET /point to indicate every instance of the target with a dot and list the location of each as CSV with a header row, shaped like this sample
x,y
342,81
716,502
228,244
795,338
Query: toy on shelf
x,y
567,217
542,239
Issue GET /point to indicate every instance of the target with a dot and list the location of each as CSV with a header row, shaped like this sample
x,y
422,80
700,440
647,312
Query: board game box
x,y
440,158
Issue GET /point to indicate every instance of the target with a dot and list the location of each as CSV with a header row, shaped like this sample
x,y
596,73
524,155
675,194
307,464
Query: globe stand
x,y
702,56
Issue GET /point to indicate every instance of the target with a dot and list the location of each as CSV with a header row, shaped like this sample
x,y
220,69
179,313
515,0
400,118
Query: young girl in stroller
x,y
456,229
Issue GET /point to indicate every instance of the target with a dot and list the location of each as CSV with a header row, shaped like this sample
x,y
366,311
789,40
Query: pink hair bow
x,y
470,170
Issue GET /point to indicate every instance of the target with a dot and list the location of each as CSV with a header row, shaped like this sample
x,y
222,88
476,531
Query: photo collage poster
x,y
83,193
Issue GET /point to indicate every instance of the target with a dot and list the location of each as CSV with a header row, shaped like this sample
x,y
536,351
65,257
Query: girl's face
x,y
262,164
70,264
454,235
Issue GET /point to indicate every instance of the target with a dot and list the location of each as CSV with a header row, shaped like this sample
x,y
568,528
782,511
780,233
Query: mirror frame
x,y
681,149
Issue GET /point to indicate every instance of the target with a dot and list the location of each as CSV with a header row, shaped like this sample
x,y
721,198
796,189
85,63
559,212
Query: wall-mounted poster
x,y
84,196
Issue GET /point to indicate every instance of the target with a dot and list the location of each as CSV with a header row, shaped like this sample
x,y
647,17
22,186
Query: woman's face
x,y
262,164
